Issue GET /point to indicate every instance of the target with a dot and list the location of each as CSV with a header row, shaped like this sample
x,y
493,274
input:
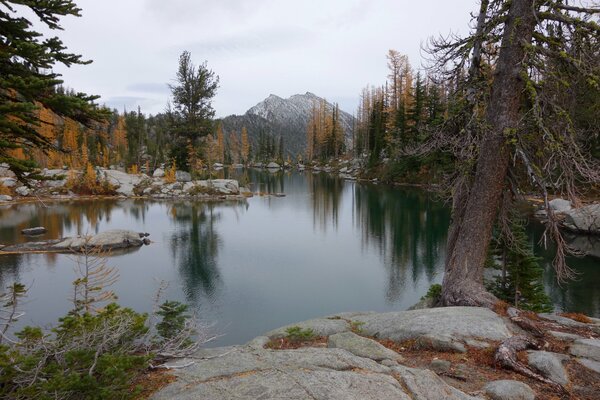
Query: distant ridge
x,y
286,117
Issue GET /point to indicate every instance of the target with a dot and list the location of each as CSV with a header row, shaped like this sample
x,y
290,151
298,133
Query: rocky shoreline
x,y
54,186
429,354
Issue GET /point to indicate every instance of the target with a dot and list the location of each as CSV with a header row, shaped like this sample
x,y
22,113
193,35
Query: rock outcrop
x,y
108,240
354,365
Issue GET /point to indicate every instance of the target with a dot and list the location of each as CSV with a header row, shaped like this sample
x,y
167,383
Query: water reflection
x,y
330,245
326,194
194,248
407,227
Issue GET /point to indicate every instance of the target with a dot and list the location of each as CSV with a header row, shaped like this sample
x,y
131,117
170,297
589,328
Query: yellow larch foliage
x,y
170,173
219,154
119,139
245,145
69,144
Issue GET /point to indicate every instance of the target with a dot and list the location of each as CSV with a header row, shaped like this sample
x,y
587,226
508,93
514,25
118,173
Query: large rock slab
x,y
583,219
549,365
108,240
125,182
509,390
460,323
246,373
586,348
362,346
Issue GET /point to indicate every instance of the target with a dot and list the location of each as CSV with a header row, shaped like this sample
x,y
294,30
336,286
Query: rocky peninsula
x,y
427,354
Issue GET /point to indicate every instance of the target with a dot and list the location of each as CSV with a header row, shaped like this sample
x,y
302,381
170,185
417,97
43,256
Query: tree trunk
x,y
472,228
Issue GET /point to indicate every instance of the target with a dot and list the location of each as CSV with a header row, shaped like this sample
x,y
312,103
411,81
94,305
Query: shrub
x,y
297,334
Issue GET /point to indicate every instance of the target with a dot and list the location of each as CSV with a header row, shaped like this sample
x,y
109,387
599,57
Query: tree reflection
x,y
326,193
408,227
195,247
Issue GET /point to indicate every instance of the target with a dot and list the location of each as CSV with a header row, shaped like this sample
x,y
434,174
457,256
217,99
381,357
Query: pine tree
x,y
520,283
27,81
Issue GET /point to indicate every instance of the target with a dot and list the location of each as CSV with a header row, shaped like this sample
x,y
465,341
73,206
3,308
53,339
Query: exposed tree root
x,y
506,356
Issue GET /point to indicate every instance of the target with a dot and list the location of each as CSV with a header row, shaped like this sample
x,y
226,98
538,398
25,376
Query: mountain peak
x,y
286,117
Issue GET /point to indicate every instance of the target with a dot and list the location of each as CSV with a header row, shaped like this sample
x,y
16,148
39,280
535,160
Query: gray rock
x,y
246,373
584,219
320,326
361,346
440,343
238,166
112,239
589,364
55,183
440,366
183,176
273,165
158,173
23,191
549,365
478,344
560,205
586,244
426,385
569,337
5,197
563,320
460,323
225,186
586,348
125,182
5,171
509,390
8,182
38,230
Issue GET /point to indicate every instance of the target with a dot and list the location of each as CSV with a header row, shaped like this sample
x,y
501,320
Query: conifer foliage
x,y
27,81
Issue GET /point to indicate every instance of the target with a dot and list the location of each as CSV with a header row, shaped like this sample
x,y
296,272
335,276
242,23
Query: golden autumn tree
x,y
219,150
234,147
245,146
69,142
119,140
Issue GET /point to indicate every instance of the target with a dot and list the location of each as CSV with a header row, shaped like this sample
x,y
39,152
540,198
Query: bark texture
x,y
472,226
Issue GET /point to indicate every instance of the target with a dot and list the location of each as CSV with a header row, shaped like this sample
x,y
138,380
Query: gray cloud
x,y
332,48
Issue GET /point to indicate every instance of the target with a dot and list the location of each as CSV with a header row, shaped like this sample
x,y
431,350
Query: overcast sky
x,y
332,48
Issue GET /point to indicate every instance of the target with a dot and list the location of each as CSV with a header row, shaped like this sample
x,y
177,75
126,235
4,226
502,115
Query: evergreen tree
x,y
27,81
520,283
192,95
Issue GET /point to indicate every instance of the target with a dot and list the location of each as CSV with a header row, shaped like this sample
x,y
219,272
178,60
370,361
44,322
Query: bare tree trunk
x,y
471,232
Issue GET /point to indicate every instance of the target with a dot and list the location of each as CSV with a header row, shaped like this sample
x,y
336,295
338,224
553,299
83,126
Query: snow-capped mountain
x,y
286,117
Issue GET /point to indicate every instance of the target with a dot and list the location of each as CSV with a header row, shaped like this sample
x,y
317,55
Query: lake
x,y
249,266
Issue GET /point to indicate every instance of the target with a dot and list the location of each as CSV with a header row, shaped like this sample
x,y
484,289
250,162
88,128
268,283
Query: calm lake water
x,y
329,246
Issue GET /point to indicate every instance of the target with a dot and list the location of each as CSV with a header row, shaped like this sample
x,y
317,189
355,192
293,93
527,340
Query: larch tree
x,y
523,137
245,150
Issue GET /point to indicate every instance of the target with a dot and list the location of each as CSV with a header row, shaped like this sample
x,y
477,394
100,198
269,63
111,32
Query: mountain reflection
x,y
407,227
195,247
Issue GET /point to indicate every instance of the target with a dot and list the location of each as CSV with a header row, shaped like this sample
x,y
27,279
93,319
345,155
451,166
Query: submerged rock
x,y
38,230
